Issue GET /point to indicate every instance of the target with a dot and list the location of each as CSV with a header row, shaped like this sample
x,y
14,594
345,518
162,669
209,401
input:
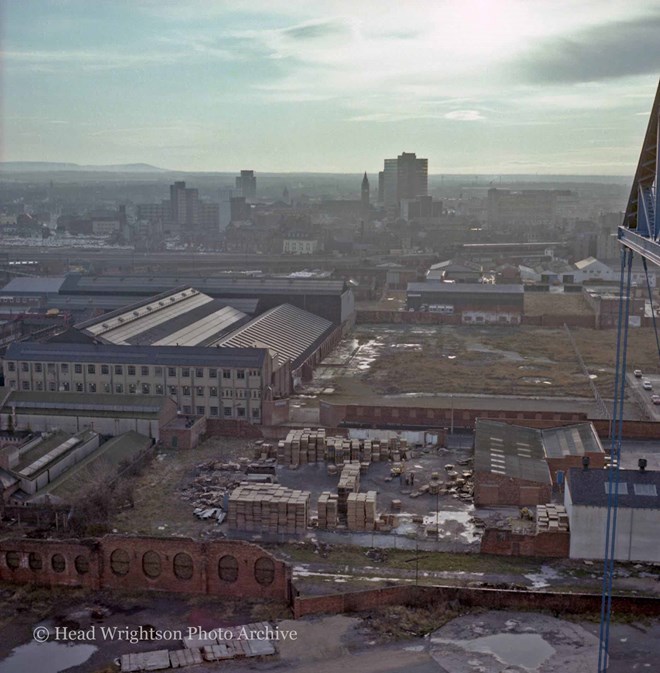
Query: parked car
x,y
655,399
638,373
646,384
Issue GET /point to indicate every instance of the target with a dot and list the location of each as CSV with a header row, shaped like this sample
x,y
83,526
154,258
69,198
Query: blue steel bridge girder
x,y
640,230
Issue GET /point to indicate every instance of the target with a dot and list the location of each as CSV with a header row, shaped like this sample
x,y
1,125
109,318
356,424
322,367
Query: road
x,y
644,396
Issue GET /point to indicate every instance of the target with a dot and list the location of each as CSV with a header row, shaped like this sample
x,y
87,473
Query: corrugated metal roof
x,y
156,355
76,284
184,317
572,440
285,329
510,451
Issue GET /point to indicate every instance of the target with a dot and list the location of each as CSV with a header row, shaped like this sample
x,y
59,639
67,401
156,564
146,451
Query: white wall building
x,y
638,517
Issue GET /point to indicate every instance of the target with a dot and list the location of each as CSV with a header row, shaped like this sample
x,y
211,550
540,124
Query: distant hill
x,y
41,166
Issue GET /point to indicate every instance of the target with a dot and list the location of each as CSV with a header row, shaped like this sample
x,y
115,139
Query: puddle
x,y
540,580
527,650
449,524
46,657
534,379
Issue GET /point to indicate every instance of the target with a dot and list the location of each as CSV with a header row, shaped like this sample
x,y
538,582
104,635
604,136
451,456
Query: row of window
x,y
132,370
132,388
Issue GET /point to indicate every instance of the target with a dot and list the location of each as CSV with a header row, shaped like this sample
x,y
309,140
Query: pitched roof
x,y
637,489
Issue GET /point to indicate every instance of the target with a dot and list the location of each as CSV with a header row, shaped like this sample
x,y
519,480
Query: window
x,y
65,386
77,369
79,387
228,569
25,385
25,367
254,372
131,370
264,571
91,369
240,412
200,411
213,373
213,391
199,390
622,488
228,393
40,385
214,411
256,394
240,373
171,371
172,390
186,390
119,388
11,366
38,367
227,411
146,389
255,413
144,371
119,370
240,393
199,373
105,370
92,387
159,389
187,409
132,388
183,566
645,489
158,371
107,388
64,367
226,373
51,385
185,372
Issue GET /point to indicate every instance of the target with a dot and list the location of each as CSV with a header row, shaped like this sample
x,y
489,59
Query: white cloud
x,y
464,115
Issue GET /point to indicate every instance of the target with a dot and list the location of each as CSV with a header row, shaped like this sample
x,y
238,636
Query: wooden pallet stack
x,y
327,510
551,519
349,482
361,511
268,508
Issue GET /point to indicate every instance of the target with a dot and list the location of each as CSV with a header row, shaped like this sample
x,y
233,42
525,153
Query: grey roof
x,y
572,440
288,330
75,403
226,286
591,487
509,450
103,462
156,355
29,285
464,288
183,317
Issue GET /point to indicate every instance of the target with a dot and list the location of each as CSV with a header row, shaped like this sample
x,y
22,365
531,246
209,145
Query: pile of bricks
x,y
361,511
312,446
327,510
349,482
268,508
551,519
264,450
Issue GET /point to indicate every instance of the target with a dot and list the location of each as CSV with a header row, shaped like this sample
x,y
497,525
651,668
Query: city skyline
x,y
476,86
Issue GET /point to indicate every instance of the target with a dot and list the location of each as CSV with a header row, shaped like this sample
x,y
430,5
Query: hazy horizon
x,y
550,88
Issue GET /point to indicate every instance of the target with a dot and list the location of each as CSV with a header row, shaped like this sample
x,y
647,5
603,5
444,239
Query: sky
x,y
476,86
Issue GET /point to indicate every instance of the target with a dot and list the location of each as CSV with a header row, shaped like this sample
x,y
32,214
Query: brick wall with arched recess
x,y
221,568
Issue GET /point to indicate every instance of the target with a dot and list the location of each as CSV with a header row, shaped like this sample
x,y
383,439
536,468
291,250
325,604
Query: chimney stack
x,y
642,462
585,463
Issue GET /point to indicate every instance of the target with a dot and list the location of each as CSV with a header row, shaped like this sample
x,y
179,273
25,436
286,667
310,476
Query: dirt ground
x,y
521,361
542,303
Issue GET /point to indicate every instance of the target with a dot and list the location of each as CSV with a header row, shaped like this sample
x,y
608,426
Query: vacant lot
x,y
534,361
544,303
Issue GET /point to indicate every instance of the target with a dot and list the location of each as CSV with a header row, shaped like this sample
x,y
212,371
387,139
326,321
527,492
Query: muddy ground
x,y
521,361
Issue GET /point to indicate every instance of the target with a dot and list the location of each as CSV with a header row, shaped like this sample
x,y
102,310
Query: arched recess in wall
x,y
183,566
264,571
120,562
151,565
228,568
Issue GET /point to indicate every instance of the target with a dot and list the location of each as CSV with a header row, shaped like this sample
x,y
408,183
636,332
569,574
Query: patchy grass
x,y
400,622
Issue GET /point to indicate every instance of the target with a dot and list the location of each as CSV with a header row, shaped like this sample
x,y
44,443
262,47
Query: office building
x,y
405,177
246,184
